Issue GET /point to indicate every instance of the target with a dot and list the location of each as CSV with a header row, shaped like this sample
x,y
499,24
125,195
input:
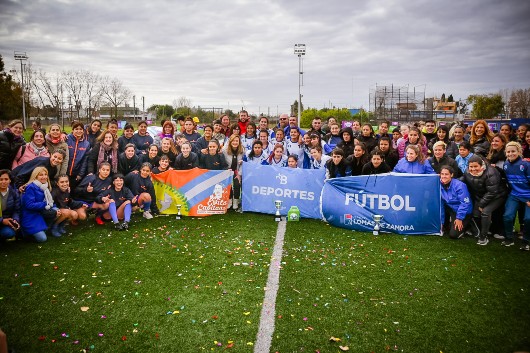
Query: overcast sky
x,y
233,53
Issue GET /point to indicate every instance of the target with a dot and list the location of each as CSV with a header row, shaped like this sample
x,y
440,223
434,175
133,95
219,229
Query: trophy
x,y
377,219
178,213
278,205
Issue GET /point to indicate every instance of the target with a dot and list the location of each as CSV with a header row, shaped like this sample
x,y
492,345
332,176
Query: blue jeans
x,y
510,211
40,237
6,232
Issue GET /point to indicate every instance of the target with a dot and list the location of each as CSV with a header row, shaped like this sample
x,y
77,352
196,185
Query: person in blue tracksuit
x,y
414,162
457,202
78,149
517,173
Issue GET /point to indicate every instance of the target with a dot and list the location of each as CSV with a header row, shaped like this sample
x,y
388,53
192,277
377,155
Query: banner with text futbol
x,y
199,192
263,184
409,203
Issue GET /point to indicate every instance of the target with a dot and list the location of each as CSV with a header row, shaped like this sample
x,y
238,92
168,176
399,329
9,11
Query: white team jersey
x,y
297,150
247,142
281,163
283,143
320,165
257,159
268,150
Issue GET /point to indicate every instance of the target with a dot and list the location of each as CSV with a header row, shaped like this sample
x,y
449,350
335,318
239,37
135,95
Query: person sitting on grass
x,y
142,187
37,206
128,161
9,207
163,165
118,200
91,186
71,210
337,166
457,203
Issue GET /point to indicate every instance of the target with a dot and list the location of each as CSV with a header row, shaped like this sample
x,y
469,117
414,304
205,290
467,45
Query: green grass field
x,y
197,285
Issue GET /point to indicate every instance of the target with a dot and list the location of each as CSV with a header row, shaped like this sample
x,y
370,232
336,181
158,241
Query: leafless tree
x,y
519,102
114,92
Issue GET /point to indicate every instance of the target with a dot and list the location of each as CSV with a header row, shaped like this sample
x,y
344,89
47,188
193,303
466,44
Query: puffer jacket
x,y
487,187
438,164
481,147
9,146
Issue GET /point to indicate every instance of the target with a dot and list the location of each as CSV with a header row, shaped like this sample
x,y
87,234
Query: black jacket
x,y
481,147
215,162
22,173
97,183
119,197
487,187
438,164
9,145
182,163
369,169
125,165
63,199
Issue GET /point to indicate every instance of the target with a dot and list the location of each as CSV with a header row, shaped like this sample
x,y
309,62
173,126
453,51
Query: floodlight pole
x,y
21,56
299,50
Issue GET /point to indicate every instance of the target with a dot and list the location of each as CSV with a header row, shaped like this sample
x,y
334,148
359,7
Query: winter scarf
x,y
104,149
47,193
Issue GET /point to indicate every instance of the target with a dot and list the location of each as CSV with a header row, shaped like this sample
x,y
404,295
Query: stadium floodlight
x,y
299,50
21,56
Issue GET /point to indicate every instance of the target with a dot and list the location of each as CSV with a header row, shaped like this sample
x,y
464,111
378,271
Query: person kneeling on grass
x,y
37,206
91,186
71,210
457,202
118,199
142,187
9,207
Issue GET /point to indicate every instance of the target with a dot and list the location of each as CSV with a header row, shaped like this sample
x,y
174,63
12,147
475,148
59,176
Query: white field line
x,y
268,309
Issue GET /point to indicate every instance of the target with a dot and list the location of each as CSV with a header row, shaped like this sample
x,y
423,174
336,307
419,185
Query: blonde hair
x,y
229,145
172,146
439,143
517,145
420,157
36,172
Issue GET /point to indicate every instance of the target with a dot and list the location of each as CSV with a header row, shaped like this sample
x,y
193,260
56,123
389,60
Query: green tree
x,y
486,106
309,114
10,96
294,107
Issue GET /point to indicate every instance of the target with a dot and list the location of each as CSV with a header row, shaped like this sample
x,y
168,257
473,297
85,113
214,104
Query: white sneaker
x,y
229,204
498,236
236,204
148,215
483,242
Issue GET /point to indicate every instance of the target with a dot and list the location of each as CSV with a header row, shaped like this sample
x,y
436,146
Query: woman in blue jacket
x,y
517,173
37,206
414,162
9,207
457,202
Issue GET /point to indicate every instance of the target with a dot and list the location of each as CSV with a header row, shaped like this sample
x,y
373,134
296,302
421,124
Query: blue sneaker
x,y
55,231
61,228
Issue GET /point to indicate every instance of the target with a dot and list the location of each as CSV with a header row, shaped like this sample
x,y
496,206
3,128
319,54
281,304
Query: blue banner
x,y
263,184
409,203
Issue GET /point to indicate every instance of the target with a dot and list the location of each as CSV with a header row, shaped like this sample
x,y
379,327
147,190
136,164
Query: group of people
x,y
57,179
